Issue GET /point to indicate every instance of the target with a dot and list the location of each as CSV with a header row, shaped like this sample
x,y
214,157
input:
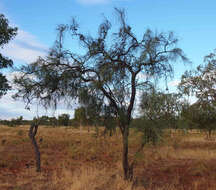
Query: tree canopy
x,y
202,84
64,119
200,116
112,67
202,81
160,107
7,33
159,111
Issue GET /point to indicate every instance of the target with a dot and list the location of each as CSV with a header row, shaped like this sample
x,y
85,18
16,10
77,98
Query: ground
x,y
79,160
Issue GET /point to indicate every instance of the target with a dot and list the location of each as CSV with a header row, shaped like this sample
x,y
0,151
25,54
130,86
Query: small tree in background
x,y
19,120
53,121
159,111
97,113
63,119
80,115
44,120
111,67
201,83
109,120
15,122
92,103
201,116
7,33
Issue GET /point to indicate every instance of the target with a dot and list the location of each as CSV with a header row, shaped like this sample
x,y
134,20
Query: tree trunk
x,y
210,132
32,133
110,132
125,163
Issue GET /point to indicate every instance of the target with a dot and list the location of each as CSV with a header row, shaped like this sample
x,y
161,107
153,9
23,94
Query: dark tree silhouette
x,y
111,67
7,33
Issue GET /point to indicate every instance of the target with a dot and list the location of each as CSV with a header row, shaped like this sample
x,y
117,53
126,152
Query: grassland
x,y
74,160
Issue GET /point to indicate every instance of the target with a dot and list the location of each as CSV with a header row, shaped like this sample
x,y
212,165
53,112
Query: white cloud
x,y
9,108
174,83
25,47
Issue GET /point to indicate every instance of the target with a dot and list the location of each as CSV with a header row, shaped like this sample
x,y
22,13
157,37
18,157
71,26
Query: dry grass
x,y
74,160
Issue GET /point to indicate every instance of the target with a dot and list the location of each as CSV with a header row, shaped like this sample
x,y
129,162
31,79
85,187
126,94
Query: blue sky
x,y
192,21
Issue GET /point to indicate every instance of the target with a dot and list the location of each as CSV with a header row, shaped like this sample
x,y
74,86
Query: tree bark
x,y
125,163
32,133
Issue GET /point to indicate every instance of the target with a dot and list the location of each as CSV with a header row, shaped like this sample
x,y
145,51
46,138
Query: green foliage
x,y
44,120
201,116
80,116
108,70
201,83
91,108
159,111
109,120
95,112
14,122
64,119
161,108
53,121
7,33
151,132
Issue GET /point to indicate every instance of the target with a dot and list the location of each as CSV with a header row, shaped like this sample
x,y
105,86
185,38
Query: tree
x,y
94,112
19,120
112,68
161,107
32,133
91,107
15,122
201,116
159,111
44,120
7,33
53,121
109,120
80,117
201,83
64,119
